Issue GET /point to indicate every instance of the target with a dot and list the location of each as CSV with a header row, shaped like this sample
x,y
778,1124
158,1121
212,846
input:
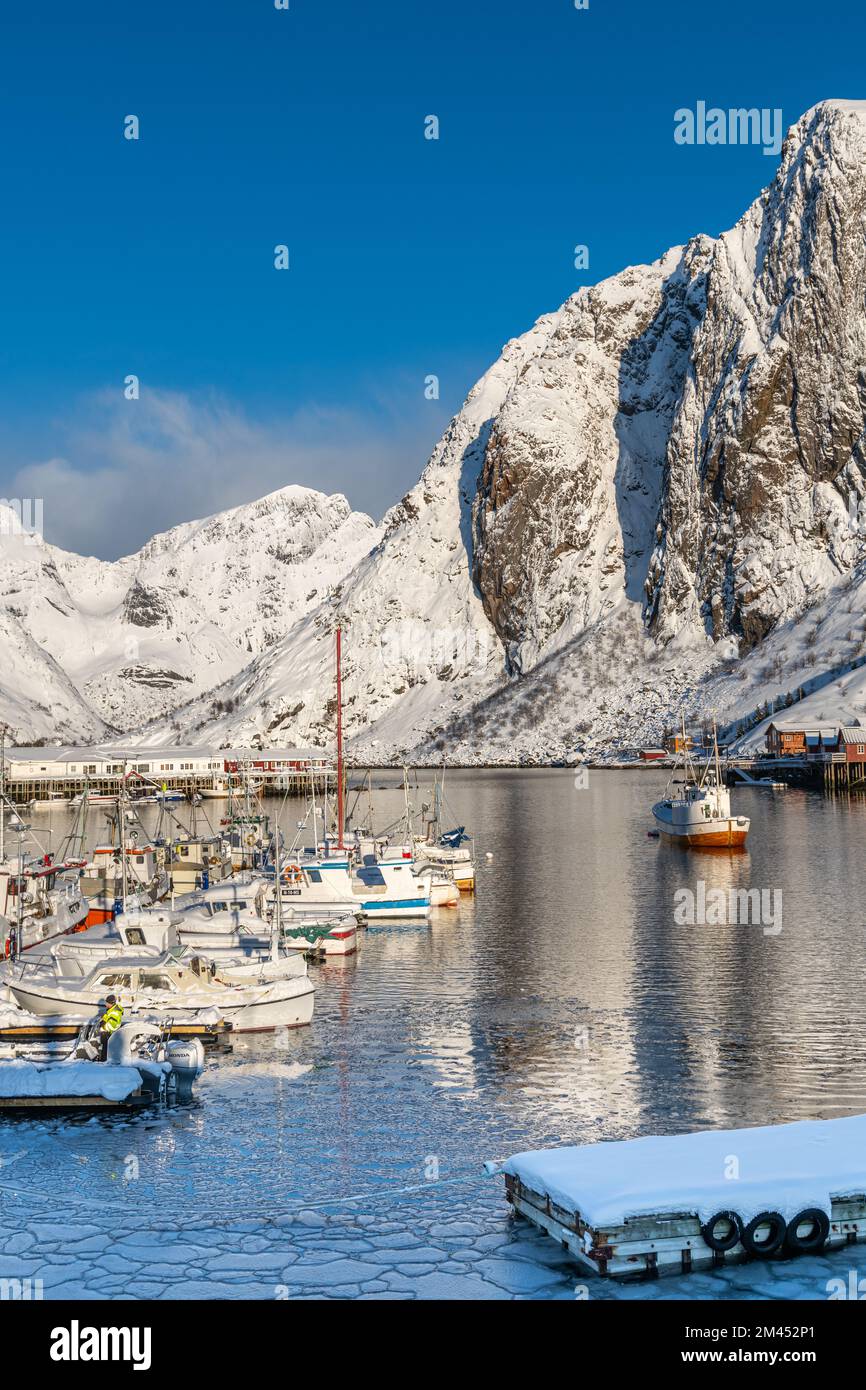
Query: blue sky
x,y
408,256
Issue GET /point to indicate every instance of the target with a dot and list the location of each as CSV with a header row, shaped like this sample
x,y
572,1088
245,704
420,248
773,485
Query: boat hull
x,y
289,1006
728,834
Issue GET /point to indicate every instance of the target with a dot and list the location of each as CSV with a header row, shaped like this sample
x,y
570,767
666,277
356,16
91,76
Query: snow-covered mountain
x,y
650,501
134,638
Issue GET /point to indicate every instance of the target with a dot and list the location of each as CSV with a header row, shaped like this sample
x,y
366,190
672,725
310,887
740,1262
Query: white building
x,y
77,764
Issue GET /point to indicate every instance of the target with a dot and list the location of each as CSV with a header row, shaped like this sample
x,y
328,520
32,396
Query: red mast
x,y
340,808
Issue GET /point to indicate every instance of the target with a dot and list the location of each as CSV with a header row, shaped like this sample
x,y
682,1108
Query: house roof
x,y
816,730
133,754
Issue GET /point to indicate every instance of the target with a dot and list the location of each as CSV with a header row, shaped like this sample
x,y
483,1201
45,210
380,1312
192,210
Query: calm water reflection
x,y
561,1004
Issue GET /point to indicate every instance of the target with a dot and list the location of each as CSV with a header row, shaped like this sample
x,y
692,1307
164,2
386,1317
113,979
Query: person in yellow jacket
x,y
110,1022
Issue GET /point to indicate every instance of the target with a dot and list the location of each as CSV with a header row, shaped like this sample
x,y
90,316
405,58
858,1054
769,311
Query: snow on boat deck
x,y
25,1080
783,1168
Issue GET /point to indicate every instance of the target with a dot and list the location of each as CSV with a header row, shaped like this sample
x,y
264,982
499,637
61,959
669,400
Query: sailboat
x,y
697,813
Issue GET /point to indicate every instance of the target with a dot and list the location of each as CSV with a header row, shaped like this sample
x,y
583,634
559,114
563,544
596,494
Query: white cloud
x,y
132,468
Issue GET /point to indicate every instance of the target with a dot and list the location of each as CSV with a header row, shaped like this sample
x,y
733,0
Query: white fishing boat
x,y
696,809
217,929
107,881
444,891
94,799
219,790
247,839
451,857
381,892
198,861
184,988
38,902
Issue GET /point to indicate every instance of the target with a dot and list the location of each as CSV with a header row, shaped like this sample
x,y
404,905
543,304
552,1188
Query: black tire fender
x,y
722,1243
765,1249
816,1239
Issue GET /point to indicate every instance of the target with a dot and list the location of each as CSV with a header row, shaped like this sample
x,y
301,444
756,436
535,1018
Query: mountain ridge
x,y
650,501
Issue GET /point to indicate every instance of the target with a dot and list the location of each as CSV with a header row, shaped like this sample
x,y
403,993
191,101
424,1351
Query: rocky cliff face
x,y
766,446
645,503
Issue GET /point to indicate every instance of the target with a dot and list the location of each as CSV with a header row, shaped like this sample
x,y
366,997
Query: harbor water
x,y
562,1003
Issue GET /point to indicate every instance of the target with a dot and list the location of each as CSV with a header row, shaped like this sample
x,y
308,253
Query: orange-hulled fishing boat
x,y
696,810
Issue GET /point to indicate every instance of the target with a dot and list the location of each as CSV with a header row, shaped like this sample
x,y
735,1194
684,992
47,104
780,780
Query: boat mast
x,y
315,809
341,810
121,818
2,793
20,895
277,919
409,839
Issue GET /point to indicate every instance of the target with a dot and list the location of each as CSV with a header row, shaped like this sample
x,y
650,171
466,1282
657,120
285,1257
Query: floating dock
x,y
642,1208
21,1105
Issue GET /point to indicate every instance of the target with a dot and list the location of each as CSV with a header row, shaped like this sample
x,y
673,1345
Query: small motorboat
x,y
142,1064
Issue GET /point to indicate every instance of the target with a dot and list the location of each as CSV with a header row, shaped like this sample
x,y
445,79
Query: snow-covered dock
x,y
654,1206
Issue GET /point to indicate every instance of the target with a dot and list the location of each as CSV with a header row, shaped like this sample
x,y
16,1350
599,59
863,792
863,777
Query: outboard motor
x,y
187,1063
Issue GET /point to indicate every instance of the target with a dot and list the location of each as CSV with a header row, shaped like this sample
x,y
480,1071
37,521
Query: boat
x,y
444,891
157,798
218,791
246,839
198,861
381,891
697,813
176,985
50,803
451,851
39,901
449,855
218,929
107,882
137,931
94,799
142,1064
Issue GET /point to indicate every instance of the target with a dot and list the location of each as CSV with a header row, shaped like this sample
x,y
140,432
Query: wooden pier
x,y
830,772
